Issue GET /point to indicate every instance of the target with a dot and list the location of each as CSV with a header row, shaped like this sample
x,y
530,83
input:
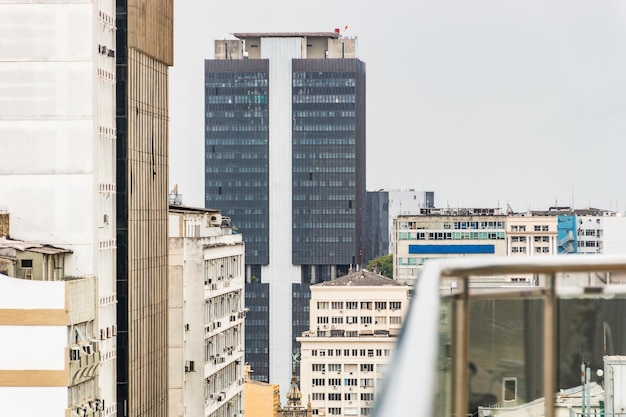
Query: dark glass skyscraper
x,y
285,159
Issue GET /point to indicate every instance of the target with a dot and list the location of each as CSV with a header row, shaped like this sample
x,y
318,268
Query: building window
x,y
318,396
349,382
334,397
335,367
352,305
367,367
366,305
322,305
335,411
318,382
337,305
318,367
395,305
367,382
380,305
366,320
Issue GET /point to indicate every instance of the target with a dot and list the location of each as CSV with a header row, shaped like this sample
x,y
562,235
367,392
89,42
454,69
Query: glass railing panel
x,y
443,400
505,353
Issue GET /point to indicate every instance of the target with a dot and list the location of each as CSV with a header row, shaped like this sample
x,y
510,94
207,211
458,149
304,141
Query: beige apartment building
x,y
532,235
355,320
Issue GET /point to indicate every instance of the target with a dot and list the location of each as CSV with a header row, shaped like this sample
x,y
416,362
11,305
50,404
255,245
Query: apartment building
x,y
532,235
43,307
355,321
205,314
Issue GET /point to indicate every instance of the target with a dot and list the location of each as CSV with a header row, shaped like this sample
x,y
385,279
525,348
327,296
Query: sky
x,y
488,103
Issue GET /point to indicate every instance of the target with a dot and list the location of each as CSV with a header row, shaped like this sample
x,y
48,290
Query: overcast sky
x,y
484,102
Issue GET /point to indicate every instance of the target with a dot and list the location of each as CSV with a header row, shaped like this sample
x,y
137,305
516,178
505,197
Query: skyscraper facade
x,y
144,54
285,159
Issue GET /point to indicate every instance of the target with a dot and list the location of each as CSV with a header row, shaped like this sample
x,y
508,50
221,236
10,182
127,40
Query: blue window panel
x,y
452,249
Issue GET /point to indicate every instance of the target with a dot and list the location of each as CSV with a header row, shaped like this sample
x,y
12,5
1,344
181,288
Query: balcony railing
x,y
519,344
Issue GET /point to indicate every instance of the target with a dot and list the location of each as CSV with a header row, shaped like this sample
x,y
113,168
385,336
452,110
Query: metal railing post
x,y
550,361
461,352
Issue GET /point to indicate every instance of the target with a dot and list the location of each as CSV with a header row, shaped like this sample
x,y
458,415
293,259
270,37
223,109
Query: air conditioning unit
x,y
220,397
215,220
74,354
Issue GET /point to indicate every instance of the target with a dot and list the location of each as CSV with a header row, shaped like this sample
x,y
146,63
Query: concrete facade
x,y
57,179
260,398
206,315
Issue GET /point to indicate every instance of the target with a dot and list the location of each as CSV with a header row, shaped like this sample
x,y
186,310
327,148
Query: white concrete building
x,y
206,315
601,234
354,323
57,181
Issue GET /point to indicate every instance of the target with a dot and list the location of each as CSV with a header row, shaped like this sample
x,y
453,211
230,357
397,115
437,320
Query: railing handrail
x,y
410,387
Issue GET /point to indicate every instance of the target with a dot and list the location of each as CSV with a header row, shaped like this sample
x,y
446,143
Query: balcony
x,y
490,351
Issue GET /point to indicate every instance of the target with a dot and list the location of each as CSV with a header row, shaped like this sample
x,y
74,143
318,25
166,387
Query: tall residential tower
x,y
285,159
